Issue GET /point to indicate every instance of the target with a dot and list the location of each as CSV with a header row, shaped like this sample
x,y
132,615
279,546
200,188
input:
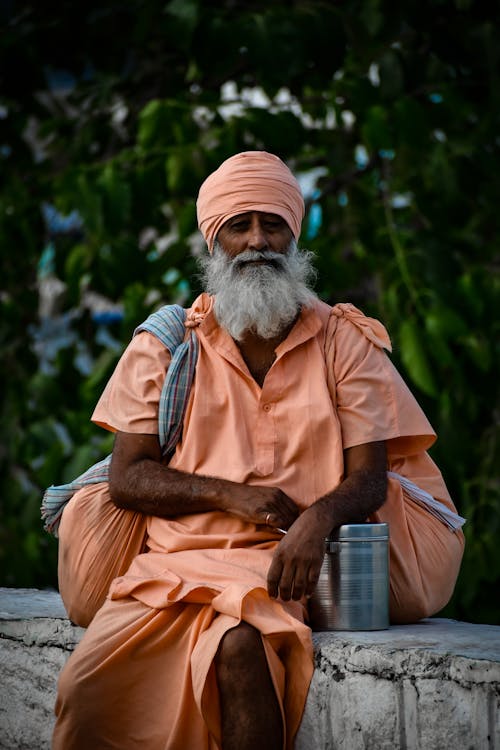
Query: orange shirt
x,y
286,434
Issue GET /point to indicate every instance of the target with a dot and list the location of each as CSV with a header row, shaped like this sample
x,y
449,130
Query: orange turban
x,y
249,181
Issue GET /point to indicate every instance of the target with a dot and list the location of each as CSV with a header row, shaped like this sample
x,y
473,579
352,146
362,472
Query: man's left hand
x,y
297,561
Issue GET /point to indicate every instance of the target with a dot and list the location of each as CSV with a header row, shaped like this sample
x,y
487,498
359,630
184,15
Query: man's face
x,y
256,231
258,276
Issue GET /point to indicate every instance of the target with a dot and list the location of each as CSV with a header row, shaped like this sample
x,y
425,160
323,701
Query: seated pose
x,y
295,420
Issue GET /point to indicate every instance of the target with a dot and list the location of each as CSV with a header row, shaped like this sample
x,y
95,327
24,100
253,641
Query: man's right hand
x,y
261,505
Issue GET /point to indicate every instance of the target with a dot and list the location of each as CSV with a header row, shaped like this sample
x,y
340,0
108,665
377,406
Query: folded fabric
x,y
423,498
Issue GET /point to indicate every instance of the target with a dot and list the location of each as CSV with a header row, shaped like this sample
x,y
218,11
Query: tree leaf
x,y
415,357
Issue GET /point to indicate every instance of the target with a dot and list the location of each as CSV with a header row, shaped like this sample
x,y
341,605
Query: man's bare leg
x,y
251,716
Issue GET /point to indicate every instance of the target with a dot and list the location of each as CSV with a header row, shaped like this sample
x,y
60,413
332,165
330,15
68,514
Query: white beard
x,y
263,299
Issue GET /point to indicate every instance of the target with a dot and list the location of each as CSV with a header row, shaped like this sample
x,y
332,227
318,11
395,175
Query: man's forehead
x,y
261,214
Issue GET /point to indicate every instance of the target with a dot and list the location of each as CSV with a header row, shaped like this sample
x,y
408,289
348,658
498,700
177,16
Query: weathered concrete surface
x,y
430,686
36,638
434,685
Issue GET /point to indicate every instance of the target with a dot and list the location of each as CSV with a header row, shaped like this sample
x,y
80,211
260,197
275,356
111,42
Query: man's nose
x,y
257,239
257,236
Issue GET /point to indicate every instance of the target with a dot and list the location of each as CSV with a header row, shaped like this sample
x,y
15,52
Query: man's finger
x,y
273,577
312,579
299,584
287,581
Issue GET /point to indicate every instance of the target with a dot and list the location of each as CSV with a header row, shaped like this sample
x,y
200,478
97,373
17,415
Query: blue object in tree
x,y
315,218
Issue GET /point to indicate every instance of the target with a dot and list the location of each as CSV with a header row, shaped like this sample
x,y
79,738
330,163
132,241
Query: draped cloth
x,y
143,674
167,324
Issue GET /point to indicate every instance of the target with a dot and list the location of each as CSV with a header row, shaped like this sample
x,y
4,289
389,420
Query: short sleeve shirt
x,y
290,433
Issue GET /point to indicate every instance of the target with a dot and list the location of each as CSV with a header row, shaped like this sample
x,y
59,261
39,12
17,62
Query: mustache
x,y
276,260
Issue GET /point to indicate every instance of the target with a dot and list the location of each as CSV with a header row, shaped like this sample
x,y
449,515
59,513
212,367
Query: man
x,y
293,420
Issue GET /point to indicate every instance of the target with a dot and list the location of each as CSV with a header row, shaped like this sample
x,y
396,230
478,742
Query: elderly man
x,y
294,418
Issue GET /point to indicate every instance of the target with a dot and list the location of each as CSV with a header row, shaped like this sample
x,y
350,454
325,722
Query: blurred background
x,y
112,114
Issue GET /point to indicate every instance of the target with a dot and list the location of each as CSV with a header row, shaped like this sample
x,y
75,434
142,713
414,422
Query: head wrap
x,y
249,181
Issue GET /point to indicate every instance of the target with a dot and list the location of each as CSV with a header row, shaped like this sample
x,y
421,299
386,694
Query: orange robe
x,y
143,674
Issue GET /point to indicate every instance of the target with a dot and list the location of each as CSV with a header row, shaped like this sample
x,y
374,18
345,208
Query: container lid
x,y
353,531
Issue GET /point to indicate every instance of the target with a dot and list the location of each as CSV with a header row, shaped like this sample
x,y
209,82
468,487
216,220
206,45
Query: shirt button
x,y
267,407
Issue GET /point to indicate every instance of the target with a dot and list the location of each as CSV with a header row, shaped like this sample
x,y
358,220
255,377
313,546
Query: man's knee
x,y
431,588
239,647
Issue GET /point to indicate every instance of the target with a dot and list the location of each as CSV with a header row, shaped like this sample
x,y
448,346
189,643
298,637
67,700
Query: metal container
x,y
353,586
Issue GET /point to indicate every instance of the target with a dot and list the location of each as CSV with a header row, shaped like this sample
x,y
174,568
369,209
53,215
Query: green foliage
x,y
399,108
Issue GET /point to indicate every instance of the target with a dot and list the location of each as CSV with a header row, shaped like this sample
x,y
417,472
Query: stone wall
x,y
430,686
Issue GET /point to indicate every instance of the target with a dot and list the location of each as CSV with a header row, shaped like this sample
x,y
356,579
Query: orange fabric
x,y
249,181
424,555
135,385
135,668
97,543
132,669
373,401
204,572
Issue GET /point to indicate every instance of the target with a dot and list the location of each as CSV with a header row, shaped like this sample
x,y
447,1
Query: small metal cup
x,y
353,587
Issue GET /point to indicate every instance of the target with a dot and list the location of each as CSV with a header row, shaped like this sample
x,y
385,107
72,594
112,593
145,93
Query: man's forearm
x,y
154,489
147,486
356,498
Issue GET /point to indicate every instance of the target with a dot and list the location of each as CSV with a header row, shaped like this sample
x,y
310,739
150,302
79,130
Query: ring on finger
x,y
268,516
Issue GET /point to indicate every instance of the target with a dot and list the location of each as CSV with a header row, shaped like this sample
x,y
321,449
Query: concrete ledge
x,y
433,685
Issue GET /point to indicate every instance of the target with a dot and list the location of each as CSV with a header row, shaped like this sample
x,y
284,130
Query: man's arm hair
x,y
139,481
363,489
